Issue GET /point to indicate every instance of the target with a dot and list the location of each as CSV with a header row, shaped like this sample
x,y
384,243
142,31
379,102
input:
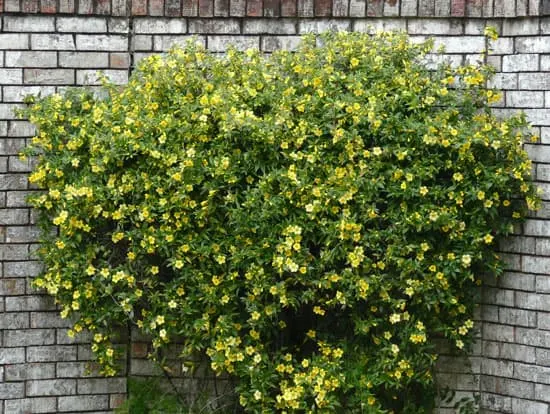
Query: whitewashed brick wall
x,y
42,371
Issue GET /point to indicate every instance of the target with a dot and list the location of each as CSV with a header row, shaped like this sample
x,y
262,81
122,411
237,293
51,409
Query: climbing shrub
x,y
311,222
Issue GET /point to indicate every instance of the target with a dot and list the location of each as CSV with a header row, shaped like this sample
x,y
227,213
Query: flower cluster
x,y
309,221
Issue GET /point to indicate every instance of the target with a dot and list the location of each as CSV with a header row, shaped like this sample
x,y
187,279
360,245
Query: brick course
x,y
48,45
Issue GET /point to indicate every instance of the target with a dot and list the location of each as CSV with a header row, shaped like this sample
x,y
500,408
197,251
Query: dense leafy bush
x,y
310,221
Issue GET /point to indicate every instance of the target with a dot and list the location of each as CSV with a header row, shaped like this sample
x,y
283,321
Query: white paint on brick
x,y
81,24
532,44
528,62
373,25
28,24
268,26
112,43
323,25
93,77
52,42
159,25
11,76
223,43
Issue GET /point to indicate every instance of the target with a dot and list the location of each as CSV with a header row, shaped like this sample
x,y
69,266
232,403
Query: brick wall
x,y
46,45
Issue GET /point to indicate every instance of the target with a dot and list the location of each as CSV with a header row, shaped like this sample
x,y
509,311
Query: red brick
x,y
288,8
254,8
190,8
375,8
119,61
272,8
323,8
458,8
66,6
172,8
206,8
139,7
139,350
1,6
156,7
30,6
48,6
221,8
103,7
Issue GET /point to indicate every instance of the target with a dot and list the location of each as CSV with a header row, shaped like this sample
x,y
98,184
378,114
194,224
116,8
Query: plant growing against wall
x,y
309,221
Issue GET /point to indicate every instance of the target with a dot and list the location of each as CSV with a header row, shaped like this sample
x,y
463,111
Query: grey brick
x,y
12,287
17,198
545,63
542,392
49,76
145,42
76,369
22,269
96,60
526,406
524,99
28,24
21,129
217,26
14,216
543,284
81,338
270,26
12,389
112,43
460,44
518,245
11,76
491,349
101,385
52,42
81,24
31,405
24,372
13,251
495,296
517,352
22,234
83,403
48,320
538,116
159,25
7,111
497,368
494,332
272,43
537,153
532,337
93,77
518,281
164,43
37,59
536,264
435,26
503,46
520,63
18,93
518,317
533,44
372,25
534,373
16,165
29,303
26,337
51,353
222,43
536,227
514,27
537,301
543,319
12,355
118,25
504,81
50,387
543,356
14,41
515,388
323,25
144,367
14,321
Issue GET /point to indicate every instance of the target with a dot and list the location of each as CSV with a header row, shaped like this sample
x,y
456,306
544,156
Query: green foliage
x,y
145,396
310,221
